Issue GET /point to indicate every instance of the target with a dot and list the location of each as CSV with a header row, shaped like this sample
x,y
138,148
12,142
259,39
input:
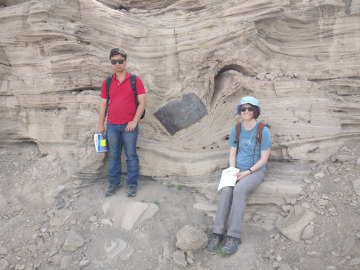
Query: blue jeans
x,y
117,138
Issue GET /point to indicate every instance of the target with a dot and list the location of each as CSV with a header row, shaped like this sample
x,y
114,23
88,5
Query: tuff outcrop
x,y
300,59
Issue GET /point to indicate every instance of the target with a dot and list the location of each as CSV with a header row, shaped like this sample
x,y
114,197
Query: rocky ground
x,y
52,221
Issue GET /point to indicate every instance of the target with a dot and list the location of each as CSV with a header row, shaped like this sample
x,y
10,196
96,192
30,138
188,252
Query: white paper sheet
x,y
228,178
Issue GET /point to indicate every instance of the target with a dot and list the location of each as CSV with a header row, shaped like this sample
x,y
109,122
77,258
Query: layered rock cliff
x,y
299,58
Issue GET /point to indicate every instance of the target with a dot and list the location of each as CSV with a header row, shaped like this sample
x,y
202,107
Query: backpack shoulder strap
x,y
259,131
108,83
238,129
237,140
133,87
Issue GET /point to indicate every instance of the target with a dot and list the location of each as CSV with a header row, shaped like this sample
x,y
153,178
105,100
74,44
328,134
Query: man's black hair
x,y
117,51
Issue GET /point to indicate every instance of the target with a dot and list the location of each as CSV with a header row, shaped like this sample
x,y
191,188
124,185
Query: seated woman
x,y
250,157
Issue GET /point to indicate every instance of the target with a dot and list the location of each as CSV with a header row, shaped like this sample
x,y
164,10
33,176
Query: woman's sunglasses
x,y
243,109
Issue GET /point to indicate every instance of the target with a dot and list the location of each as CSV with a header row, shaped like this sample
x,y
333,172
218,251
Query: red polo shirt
x,y
122,106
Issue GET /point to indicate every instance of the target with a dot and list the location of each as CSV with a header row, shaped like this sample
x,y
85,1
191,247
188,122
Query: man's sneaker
x,y
131,191
231,244
111,190
214,241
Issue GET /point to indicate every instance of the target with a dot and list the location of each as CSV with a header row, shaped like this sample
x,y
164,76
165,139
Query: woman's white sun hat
x,y
248,100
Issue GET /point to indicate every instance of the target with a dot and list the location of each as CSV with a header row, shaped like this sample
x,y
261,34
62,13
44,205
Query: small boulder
x,y
73,241
179,259
308,232
293,225
191,238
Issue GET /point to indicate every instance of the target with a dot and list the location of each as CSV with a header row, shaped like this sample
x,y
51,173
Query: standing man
x,y
122,123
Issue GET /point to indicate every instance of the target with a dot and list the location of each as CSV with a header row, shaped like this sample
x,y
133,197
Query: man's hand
x,y
131,126
101,130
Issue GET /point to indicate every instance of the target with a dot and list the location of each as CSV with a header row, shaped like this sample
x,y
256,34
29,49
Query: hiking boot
x,y
214,241
231,244
131,191
111,190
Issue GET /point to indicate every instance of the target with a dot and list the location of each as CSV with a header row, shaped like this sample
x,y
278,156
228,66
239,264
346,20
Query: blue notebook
x,y
100,143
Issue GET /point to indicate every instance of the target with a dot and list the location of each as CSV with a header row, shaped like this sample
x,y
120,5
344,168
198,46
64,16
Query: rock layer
x,y
300,59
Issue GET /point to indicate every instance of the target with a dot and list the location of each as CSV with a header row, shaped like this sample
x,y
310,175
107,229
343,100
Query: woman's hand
x,y
242,174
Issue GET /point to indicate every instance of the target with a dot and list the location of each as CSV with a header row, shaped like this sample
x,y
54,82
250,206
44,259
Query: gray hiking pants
x,y
233,200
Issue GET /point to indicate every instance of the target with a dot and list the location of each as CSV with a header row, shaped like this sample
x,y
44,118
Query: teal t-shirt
x,y
249,148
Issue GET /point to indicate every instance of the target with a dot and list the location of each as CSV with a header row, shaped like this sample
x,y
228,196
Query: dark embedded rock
x,y
181,113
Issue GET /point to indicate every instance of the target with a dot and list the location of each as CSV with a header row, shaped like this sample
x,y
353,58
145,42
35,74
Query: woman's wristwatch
x,y
250,171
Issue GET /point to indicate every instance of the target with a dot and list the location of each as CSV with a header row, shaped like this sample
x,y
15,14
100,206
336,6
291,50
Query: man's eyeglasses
x,y
120,61
243,109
